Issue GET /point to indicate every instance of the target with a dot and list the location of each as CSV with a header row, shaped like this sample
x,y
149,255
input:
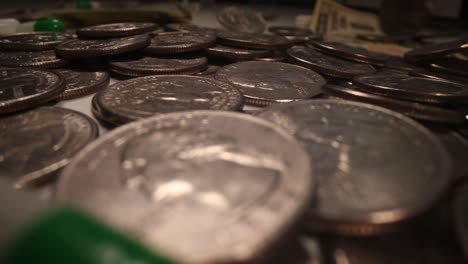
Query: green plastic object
x,y
84,4
67,236
49,25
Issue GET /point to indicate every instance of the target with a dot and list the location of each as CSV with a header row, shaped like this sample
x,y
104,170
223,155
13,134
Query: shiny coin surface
x,y
44,59
294,34
277,56
344,51
210,71
451,66
252,40
437,50
326,64
241,20
37,143
190,28
265,83
185,178
460,210
439,76
146,96
141,65
227,52
26,88
81,83
81,48
375,167
33,41
115,30
412,109
179,42
412,88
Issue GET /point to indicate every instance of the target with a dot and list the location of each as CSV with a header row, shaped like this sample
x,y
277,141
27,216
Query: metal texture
x,y
180,42
253,40
241,20
115,30
81,83
33,41
44,59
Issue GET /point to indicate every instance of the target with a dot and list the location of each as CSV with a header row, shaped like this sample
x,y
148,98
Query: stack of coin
x,y
369,175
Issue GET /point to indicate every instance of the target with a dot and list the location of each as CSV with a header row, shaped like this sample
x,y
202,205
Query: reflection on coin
x,y
412,109
115,30
190,28
375,167
265,83
81,48
137,65
178,42
241,20
26,88
33,41
344,51
210,71
449,66
326,64
461,218
146,96
412,88
252,40
227,52
44,59
81,83
294,34
37,143
277,56
439,76
183,179
437,50
457,147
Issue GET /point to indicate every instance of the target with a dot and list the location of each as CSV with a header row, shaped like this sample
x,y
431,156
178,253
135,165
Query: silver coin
x,y
295,34
253,40
115,30
227,52
82,48
38,143
33,41
146,96
202,186
358,54
180,42
241,20
412,88
81,83
265,83
375,167
326,64
26,88
44,59
142,66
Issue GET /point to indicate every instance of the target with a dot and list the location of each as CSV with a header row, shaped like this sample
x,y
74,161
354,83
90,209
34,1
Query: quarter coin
x,y
115,30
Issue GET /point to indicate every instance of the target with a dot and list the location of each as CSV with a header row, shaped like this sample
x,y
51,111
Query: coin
x,y
457,147
460,214
37,143
190,28
115,30
227,52
199,174
179,42
252,40
265,83
137,65
396,63
294,34
437,50
412,109
33,41
43,59
438,76
375,167
82,48
450,66
81,83
412,88
241,20
326,64
277,56
210,71
146,96
26,88
358,54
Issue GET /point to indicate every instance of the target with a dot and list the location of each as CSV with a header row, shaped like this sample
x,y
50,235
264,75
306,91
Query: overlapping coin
x,y
43,59
81,83
115,30
241,20
180,42
33,41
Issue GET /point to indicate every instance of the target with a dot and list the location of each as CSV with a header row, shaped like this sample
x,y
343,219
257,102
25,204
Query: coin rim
x,y
94,32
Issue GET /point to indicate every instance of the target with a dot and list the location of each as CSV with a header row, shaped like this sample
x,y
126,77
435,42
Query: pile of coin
x,y
349,156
